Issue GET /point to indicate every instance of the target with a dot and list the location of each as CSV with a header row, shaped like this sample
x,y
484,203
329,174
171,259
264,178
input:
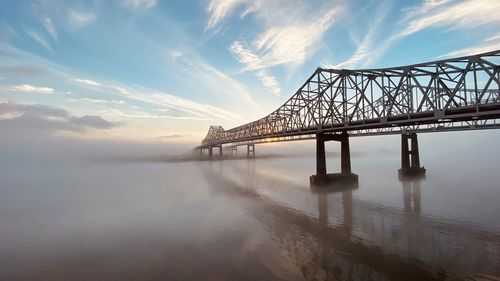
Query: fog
x,y
80,208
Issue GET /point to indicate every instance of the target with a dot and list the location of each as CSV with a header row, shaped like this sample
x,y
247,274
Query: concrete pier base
x,y
411,172
334,180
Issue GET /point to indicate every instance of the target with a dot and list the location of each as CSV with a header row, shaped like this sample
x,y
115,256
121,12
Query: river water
x,y
250,220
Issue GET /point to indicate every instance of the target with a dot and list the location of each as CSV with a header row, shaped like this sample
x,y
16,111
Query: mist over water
x,y
69,214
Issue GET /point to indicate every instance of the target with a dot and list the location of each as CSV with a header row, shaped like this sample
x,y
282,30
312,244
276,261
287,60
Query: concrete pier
x,y
345,176
410,158
251,150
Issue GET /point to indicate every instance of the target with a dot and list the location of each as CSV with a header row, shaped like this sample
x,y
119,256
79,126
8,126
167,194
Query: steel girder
x,y
452,94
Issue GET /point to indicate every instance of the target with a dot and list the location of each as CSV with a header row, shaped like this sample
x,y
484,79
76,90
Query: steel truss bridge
x,y
446,95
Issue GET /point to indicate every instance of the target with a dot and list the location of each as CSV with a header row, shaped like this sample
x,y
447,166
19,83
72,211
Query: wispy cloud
x,y
290,43
26,88
290,34
37,37
293,43
173,136
489,44
290,40
138,5
246,56
269,82
464,14
80,18
253,62
197,69
87,82
219,9
149,96
118,101
459,14
89,100
49,27
148,115
139,95
367,52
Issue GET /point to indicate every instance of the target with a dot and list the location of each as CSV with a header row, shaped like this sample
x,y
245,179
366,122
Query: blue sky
x,y
166,70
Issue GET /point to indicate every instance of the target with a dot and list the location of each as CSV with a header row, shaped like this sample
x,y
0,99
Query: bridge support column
x,y
210,152
410,158
345,176
250,150
235,150
345,155
220,151
320,155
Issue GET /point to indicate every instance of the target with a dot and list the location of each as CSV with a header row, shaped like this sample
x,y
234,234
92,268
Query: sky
x,y
164,71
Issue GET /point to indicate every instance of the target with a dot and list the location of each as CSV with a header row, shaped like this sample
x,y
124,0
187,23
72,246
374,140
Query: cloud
x,y
138,5
47,118
289,43
219,9
79,18
461,14
87,82
210,78
26,88
366,52
197,72
464,14
118,101
175,54
293,43
253,62
38,38
149,115
174,136
91,121
89,100
49,27
158,98
269,82
246,56
24,70
288,38
489,44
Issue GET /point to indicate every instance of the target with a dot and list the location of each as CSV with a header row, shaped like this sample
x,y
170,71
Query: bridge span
x,y
334,104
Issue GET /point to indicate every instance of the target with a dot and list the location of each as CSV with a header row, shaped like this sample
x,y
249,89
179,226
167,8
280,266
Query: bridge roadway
x,y
447,95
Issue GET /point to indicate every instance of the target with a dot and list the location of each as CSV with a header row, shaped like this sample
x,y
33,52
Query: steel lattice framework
x,y
452,94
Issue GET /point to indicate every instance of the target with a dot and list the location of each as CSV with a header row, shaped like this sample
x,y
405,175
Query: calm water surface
x,y
249,220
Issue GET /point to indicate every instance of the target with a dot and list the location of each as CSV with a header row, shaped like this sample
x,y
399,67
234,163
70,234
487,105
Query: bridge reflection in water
x,y
351,239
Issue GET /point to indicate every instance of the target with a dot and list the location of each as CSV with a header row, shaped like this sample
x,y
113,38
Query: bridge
x,y
335,104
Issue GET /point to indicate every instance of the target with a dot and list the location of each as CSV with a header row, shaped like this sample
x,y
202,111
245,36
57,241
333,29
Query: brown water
x,y
249,220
